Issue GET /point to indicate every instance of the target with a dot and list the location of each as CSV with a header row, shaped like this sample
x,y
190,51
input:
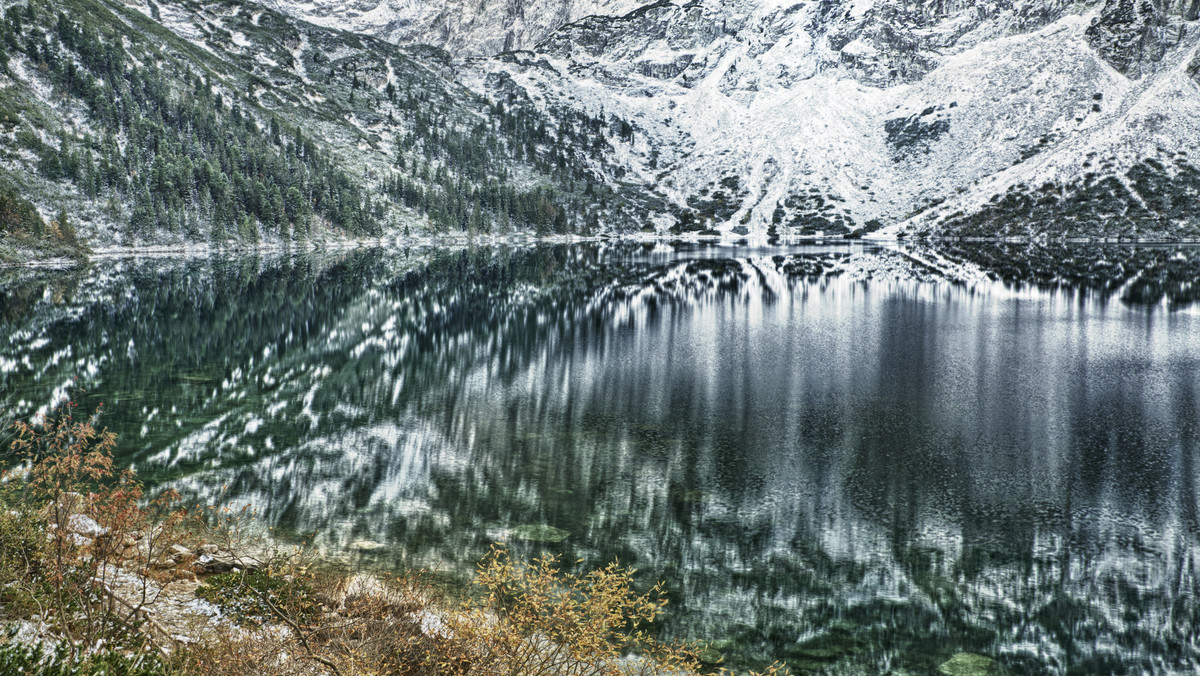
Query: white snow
x,y
859,47
766,100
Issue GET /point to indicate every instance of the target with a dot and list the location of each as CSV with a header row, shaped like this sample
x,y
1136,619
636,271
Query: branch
x,y
140,611
328,664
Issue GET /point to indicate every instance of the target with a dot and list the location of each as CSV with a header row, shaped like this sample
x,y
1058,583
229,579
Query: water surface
x,y
834,456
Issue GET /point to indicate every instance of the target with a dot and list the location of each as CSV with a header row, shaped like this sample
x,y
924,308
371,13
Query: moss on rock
x,y
969,664
539,533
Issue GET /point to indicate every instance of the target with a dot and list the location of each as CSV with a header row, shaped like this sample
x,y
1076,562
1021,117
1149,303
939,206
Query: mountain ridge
x,y
745,118
988,93
452,25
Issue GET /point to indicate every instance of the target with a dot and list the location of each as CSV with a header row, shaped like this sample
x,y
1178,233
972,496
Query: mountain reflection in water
x,y
840,470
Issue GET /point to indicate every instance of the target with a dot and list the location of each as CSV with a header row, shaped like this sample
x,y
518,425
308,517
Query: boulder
x,y
212,564
86,526
181,555
362,586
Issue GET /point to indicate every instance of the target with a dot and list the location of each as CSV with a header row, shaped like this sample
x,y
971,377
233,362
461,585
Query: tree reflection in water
x,y
827,468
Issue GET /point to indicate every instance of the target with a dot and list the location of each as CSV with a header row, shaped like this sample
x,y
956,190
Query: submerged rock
x,y
710,656
970,664
539,533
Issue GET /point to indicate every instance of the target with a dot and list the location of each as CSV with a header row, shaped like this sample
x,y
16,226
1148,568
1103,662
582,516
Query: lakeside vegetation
x,y
85,557
25,235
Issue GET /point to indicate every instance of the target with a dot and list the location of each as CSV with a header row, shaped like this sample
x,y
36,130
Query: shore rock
x,y
85,525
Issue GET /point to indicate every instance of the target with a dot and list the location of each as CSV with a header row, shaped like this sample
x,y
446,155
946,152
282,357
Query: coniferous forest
x,y
294,132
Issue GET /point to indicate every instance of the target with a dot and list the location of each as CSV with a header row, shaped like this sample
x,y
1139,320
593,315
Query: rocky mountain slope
x,y
223,119
170,123
461,27
1001,118
1010,117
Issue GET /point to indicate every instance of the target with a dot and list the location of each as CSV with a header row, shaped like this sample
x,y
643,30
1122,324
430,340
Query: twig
x,y
140,611
328,664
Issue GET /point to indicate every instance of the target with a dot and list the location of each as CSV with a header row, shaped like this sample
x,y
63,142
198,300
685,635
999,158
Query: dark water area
x,y
837,457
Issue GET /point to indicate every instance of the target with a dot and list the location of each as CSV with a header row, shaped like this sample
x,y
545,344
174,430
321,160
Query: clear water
x,y
860,473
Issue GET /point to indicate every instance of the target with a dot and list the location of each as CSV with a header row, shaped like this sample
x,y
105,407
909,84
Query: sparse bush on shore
x,y
71,521
24,234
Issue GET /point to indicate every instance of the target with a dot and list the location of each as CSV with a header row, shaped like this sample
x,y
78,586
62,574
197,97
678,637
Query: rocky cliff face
x,y
1134,36
877,43
463,28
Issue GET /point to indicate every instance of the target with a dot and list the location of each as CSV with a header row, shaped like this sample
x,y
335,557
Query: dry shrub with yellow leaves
x,y
537,619
369,626
530,619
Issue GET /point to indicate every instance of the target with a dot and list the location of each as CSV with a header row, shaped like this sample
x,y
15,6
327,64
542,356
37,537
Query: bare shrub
x,y
70,520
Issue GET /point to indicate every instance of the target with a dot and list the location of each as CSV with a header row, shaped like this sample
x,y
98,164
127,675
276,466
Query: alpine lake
x,y
853,458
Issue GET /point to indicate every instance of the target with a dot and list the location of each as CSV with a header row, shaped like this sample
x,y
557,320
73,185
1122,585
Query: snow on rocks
x,y
86,526
879,109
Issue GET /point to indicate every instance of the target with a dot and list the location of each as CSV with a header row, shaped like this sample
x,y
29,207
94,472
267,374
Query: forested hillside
x,y
224,121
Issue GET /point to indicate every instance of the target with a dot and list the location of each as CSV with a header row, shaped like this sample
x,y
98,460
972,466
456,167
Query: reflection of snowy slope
x,y
531,424
806,445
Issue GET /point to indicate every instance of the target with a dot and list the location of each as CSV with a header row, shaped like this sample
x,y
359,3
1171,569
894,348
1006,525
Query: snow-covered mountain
x,y
930,116
745,117
1008,117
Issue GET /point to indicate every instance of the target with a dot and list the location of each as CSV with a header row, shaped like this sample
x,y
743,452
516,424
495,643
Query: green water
x,y
866,472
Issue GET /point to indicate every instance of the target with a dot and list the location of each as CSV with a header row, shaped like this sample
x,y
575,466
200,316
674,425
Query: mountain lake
x,y
852,458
